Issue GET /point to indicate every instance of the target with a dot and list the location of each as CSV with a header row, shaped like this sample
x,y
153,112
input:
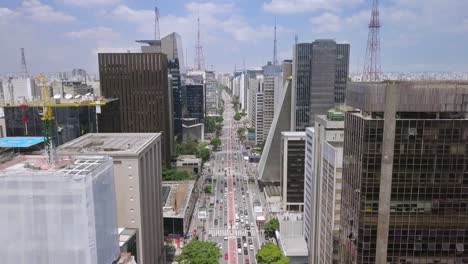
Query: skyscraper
x,y
140,82
322,188
320,71
405,173
171,45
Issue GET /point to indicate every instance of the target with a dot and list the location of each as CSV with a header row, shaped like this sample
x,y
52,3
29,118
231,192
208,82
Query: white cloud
x,y
209,8
90,3
330,22
44,13
93,33
303,6
6,14
326,22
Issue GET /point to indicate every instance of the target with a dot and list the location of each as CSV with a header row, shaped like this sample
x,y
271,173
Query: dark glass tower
x,y
405,175
320,73
140,82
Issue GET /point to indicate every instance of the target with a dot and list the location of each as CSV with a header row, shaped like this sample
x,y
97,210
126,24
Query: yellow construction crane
x,y
47,111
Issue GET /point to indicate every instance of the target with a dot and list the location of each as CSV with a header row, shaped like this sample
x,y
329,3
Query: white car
x,y
239,251
251,247
220,246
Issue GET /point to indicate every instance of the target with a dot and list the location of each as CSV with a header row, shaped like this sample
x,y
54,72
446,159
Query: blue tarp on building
x,y
20,142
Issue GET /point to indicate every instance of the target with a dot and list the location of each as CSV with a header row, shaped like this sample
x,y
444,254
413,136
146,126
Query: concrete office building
x,y
144,105
192,129
212,95
320,71
178,204
269,165
61,213
405,176
292,170
268,104
322,188
137,175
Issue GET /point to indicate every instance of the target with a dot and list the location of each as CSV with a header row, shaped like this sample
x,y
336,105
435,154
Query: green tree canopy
x,y
199,252
175,175
204,154
270,253
210,124
237,116
271,226
216,142
208,188
189,148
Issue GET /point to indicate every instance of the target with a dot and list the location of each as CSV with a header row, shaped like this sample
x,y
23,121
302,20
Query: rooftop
x,y
76,165
176,197
293,134
413,96
114,144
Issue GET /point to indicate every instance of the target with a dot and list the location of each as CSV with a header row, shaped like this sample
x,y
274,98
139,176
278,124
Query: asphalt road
x,y
231,220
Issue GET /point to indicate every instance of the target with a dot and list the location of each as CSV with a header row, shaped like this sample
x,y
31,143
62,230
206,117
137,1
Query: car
x,y
250,241
244,238
225,238
237,227
247,227
220,246
245,212
216,221
238,240
249,234
239,251
247,222
245,244
246,252
247,261
226,256
251,247
210,236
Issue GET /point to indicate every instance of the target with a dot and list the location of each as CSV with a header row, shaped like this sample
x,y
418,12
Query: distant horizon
x,y
416,36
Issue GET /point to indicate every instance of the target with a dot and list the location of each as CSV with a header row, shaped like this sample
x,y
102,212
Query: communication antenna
x,y
156,22
372,70
24,67
275,59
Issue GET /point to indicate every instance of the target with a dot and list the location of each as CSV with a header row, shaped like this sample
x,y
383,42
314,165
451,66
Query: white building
x,y
19,90
322,188
212,95
58,214
138,176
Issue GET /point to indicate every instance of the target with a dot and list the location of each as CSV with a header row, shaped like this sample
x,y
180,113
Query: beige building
x,y
137,172
189,163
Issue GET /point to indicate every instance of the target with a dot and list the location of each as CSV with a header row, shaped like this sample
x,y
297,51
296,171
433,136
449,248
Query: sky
x,y
59,35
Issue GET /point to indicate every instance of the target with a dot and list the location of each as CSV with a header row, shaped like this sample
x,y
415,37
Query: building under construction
x,y
178,205
405,175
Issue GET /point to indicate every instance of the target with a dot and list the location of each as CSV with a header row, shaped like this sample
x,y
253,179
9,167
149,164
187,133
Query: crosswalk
x,y
218,232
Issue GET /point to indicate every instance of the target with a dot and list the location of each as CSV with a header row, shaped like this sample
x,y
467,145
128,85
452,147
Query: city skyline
x,y
64,34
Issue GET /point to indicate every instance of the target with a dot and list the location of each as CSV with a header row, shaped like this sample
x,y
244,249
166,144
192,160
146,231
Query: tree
x,y
175,175
271,227
216,142
219,128
241,133
199,252
270,253
237,116
204,154
210,124
208,188
189,148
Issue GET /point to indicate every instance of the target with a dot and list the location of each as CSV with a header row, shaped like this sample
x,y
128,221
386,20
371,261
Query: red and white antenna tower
x,y
156,23
199,58
372,70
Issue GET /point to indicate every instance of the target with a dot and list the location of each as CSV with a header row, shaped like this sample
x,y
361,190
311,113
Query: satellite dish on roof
x,y
68,96
77,96
57,96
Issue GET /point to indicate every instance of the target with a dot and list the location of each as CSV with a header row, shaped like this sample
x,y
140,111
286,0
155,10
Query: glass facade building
x,y
418,162
320,72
